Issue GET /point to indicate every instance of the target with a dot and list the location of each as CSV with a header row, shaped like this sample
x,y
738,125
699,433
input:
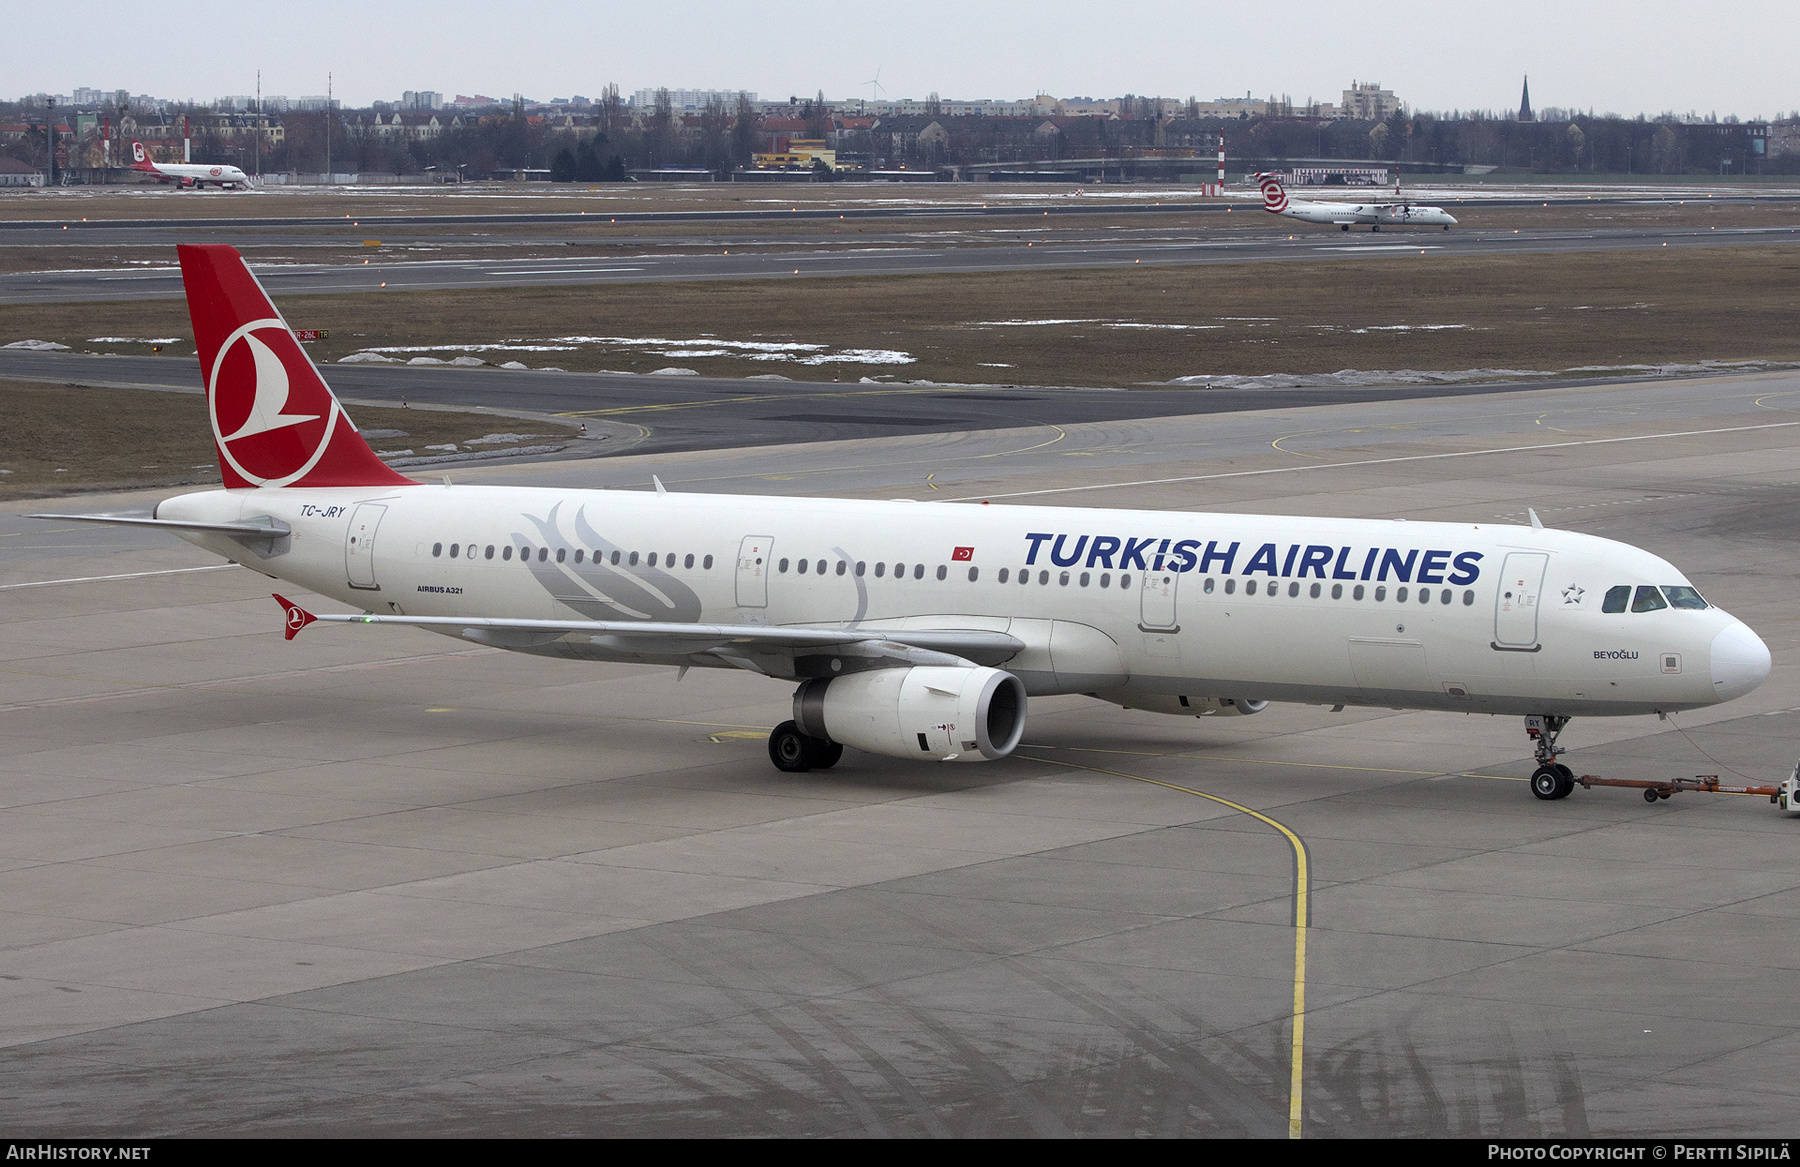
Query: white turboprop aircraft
x,y
186,174
918,630
1392,213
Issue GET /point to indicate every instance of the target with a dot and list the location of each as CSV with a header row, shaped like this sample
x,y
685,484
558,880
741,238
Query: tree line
x,y
613,140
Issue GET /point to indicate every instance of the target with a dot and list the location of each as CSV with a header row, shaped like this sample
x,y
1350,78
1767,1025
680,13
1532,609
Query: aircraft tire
x,y
1547,782
791,750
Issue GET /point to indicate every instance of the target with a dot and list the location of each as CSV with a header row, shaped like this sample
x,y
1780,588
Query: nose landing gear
x,y
1551,780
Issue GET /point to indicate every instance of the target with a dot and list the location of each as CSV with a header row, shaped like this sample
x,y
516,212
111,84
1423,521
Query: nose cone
x,y
1740,662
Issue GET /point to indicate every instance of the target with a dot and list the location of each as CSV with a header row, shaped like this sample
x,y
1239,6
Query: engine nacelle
x,y
1186,706
927,712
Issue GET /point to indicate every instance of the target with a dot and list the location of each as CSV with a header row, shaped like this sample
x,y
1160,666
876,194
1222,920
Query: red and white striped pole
x,y
187,142
1221,157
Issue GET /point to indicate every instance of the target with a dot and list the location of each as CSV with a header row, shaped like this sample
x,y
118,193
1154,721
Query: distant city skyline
x,y
1648,57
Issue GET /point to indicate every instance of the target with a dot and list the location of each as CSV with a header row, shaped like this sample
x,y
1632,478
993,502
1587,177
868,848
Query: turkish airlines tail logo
x,y
274,420
140,157
1275,199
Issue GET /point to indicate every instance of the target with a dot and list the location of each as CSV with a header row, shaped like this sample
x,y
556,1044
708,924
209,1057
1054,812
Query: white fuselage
x,y
193,174
1372,214
1136,607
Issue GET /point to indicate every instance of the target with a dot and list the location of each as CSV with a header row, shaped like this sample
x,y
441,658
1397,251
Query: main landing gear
x,y
796,752
1551,780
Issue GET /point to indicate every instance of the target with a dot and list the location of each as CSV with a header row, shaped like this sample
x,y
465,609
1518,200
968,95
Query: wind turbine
x,y
875,86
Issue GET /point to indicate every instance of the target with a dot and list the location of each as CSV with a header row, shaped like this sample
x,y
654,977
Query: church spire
x,y
1525,114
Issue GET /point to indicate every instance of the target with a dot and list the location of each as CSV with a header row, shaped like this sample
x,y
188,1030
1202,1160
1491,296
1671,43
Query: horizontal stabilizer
x,y
263,528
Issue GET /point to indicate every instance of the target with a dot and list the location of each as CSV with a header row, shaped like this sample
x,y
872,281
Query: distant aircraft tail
x,y
140,157
274,420
1275,198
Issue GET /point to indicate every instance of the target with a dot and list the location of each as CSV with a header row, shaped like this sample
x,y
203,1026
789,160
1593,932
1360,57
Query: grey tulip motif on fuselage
x,y
598,588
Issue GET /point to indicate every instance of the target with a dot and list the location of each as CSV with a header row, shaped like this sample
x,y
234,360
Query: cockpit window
x,y
1648,599
1616,598
1683,597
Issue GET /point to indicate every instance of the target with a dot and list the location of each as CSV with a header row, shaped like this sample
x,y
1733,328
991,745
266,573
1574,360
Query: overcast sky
x,y
1649,56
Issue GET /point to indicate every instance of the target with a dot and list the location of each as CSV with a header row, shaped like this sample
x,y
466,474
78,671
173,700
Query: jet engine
x,y
927,712
1186,706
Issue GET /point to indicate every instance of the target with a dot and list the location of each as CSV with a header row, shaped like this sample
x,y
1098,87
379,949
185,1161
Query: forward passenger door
x,y
753,571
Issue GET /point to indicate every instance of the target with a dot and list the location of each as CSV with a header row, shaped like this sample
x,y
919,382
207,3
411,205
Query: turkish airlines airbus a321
x,y
186,174
1389,213
919,630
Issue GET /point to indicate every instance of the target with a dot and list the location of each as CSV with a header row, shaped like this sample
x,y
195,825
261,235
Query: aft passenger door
x,y
753,571
1516,603
359,546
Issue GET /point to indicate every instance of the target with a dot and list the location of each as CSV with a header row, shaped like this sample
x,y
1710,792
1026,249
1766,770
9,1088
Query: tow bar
x,y
1786,795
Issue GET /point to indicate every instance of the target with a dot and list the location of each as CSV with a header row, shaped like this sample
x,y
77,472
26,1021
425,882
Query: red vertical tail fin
x,y
1275,199
140,157
274,420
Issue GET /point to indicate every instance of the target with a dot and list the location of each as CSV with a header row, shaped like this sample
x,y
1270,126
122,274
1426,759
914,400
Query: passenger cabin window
x,y
689,561
453,548
506,552
974,574
437,549
1648,599
1684,597
489,553
782,566
707,564
1003,575
943,572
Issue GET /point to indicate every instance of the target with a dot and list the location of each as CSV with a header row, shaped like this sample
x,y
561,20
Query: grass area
x,y
60,439
1386,311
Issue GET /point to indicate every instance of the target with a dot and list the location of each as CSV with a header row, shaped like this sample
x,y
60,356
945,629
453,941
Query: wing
x,y
773,651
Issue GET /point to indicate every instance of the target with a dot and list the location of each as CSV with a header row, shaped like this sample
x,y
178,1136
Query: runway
x,y
1303,245
373,882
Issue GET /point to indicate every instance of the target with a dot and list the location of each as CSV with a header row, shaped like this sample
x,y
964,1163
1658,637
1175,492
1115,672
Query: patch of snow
x,y
467,362
367,359
765,346
1180,327
1358,378
507,347
1027,323
370,434
132,339
38,346
515,365
393,453
861,356
449,446
768,377
996,365
672,371
495,440
428,361
1410,328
